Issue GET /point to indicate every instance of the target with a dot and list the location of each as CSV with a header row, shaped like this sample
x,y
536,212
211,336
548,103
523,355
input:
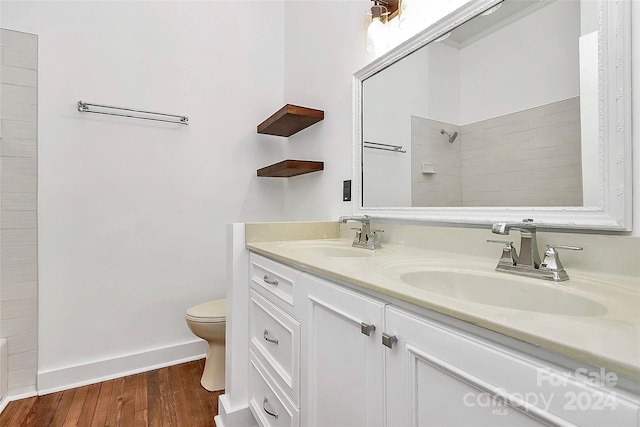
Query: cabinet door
x,y
424,389
439,376
344,376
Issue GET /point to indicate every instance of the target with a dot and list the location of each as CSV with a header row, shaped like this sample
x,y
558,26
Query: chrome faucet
x,y
528,263
364,238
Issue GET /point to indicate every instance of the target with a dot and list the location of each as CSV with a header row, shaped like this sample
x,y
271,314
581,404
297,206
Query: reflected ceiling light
x,y
491,10
376,32
443,37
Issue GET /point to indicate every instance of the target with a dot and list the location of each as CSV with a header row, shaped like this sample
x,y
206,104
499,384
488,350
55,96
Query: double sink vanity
x,y
418,318
424,331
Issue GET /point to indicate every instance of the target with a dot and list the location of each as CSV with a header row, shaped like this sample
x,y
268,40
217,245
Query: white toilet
x,y
208,322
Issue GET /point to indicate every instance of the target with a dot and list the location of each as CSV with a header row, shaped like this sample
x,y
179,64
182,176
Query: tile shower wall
x,y
428,145
18,202
536,150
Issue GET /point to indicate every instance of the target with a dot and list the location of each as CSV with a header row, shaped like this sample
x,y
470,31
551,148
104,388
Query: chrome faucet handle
x,y
509,254
529,256
551,261
374,236
365,219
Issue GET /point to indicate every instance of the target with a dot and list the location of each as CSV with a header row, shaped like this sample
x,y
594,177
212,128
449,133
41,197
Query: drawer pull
x,y
271,340
270,281
271,412
366,328
389,340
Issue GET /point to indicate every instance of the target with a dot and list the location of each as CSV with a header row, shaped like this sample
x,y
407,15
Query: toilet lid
x,y
211,311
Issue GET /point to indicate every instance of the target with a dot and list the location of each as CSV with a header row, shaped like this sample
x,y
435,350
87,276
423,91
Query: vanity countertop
x,y
610,340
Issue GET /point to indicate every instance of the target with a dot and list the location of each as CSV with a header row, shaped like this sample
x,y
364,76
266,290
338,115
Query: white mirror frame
x,y
614,207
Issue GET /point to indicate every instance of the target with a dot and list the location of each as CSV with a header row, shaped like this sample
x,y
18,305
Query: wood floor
x,y
169,396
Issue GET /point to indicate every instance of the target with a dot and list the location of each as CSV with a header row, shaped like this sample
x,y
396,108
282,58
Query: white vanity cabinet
x,y
344,360
351,358
274,343
437,376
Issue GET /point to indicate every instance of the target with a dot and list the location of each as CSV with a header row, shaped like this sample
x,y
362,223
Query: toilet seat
x,y
209,312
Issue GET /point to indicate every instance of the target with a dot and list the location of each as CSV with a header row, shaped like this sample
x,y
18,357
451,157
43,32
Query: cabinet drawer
x,y
276,336
274,279
269,405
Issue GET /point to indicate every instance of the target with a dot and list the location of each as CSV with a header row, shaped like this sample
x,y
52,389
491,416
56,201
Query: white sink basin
x,y
502,290
332,249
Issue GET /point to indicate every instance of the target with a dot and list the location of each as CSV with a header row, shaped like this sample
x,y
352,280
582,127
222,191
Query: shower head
x,y
452,136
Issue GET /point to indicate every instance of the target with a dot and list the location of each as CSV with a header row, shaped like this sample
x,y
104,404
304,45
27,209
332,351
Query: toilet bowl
x,y
208,321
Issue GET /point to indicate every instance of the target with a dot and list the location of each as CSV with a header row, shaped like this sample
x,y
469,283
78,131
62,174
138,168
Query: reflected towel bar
x,y
384,147
85,107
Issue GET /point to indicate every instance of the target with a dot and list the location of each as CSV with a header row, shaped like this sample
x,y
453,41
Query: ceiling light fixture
x,y
376,32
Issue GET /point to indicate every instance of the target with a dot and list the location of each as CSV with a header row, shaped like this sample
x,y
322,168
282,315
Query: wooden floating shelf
x,y
290,119
289,168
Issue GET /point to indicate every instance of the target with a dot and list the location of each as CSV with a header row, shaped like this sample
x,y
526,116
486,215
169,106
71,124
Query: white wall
x,y
324,46
133,214
528,74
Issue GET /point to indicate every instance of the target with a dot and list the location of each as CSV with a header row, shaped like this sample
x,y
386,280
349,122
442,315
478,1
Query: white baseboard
x,y
90,373
4,402
233,416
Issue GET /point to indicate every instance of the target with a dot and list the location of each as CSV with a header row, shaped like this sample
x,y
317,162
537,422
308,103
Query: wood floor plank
x,y
179,399
206,406
7,415
141,419
42,411
128,409
115,404
63,408
89,406
154,405
102,405
76,407
191,394
141,392
23,407
167,397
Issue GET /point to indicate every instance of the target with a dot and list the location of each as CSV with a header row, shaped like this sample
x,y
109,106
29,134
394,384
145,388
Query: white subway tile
x,y
30,389
19,326
19,308
19,255
22,343
14,94
15,274
20,59
22,377
18,291
18,183
26,360
19,237
18,201
18,148
19,112
18,76
19,130
18,166
24,42
18,219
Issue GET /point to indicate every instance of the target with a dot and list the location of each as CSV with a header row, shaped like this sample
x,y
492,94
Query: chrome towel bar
x,y
384,147
86,107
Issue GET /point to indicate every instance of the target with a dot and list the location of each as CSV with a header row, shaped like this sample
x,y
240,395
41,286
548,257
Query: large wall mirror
x,y
503,110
